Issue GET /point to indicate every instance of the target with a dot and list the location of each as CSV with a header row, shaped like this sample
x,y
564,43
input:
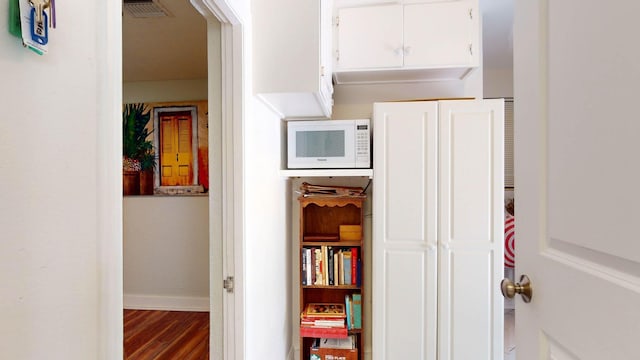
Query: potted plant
x,y
148,163
137,149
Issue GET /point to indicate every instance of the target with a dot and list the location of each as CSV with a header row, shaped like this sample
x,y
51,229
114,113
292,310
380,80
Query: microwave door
x,y
323,147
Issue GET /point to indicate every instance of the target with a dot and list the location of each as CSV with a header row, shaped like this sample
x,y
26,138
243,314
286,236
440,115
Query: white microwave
x,y
329,144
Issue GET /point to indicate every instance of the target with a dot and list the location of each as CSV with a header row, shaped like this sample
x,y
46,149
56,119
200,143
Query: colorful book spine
x,y
354,265
330,265
359,271
325,267
356,306
336,266
303,261
318,266
348,310
308,259
347,267
341,269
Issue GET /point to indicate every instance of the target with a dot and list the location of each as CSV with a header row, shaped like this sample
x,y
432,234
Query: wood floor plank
x,y
166,335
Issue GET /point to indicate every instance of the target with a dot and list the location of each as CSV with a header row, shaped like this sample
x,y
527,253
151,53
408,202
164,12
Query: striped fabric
x,y
509,241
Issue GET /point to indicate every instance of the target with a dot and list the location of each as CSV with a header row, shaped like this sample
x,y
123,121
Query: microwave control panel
x,y
362,143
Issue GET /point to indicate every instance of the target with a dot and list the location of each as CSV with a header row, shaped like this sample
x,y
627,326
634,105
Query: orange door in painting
x,y
176,158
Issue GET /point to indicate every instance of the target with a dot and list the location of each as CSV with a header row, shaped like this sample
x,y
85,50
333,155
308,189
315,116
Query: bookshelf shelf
x,y
337,244
332,287
326,172
320,244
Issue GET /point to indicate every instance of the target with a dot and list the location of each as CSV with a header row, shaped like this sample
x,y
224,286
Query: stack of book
x,y
323,320
324,348
329,265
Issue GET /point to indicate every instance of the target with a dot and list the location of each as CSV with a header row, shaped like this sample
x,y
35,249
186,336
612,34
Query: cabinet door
x,y
471,229
404,306
326,60
438,230
444,34
370,37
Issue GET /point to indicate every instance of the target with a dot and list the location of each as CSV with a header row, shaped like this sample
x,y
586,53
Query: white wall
x,y
267,245
166,252
498,82
59,209
268,240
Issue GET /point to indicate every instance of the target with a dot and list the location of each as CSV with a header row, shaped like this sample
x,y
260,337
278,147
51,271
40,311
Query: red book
x,y
354,265
319,332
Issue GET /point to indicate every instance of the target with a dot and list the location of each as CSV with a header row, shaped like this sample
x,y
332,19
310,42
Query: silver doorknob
x,y
509,289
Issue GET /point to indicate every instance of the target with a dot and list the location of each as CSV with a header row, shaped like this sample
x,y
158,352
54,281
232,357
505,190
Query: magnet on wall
x,y
14,18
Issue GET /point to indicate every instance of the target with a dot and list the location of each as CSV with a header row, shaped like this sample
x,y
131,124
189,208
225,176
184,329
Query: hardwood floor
x,y
166,335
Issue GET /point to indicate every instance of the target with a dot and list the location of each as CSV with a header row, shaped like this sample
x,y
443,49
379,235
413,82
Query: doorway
x,y
509,230
166,235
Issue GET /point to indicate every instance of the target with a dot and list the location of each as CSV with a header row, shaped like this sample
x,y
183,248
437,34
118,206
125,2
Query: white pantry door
x,y
577,178
438,230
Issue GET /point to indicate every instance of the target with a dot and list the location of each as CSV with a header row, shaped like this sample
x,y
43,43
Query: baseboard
x,y
168,303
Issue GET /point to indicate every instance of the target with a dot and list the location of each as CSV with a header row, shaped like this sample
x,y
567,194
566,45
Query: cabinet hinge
x,y
338,55
227,284
471,13
321,70
336,21
471,49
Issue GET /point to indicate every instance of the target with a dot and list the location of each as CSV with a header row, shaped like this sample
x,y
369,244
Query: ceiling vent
x,y
145,8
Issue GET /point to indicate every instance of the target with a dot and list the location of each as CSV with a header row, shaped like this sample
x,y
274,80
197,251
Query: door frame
x,y
230,155
226,212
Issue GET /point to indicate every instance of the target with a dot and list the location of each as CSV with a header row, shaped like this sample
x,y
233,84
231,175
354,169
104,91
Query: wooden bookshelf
x,y
320,220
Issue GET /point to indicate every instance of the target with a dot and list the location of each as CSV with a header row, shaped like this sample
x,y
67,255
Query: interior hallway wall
x,y
60,215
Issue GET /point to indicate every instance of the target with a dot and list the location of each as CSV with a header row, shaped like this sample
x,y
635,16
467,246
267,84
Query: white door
x,y
405,237
438,230
442,34
227,318
577,171
470,229
370,37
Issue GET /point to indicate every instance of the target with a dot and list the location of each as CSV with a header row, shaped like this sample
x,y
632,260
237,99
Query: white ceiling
x,y
174,47
167,48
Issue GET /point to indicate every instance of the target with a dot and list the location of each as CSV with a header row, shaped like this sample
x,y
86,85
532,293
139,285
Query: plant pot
x,y
130,182
146,182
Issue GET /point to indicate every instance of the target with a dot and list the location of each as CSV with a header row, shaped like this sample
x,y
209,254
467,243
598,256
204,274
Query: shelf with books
x,y
327,265
331,250
333,287
343,243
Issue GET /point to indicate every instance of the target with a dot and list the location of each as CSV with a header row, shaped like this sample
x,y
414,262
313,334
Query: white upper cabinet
x,y
292,57
370,37
441,35
407,42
